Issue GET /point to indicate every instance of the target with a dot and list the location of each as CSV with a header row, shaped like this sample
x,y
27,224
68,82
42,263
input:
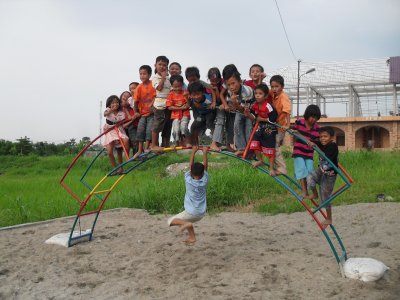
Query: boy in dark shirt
x,y
203,114
325,175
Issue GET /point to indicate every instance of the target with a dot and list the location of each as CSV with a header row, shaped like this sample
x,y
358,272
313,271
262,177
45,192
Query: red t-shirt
x,y
262,111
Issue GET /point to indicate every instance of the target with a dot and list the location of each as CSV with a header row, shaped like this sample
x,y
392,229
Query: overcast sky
x,y
60,58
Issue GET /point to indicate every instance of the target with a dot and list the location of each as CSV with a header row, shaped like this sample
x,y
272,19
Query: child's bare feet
x,y
120,171
257,163
272,173
229,148
327,222
214,147
239,153
280,173
137,154
189,241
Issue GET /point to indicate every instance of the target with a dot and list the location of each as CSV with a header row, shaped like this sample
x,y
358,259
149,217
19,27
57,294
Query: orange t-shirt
x,y
282,105
175,99
144,96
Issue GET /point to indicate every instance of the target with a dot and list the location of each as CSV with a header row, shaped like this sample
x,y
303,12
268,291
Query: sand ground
x,y
134,255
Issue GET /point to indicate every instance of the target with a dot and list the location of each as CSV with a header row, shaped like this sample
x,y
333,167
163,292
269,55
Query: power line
x,y
284,29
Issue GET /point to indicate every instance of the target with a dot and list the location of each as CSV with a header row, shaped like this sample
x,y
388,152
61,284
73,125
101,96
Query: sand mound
x,y
238,256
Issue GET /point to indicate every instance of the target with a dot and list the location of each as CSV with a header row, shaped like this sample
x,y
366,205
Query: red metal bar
x,y
322,227
87,146
249,142
88,213
316,205
68,189
345,173
122,143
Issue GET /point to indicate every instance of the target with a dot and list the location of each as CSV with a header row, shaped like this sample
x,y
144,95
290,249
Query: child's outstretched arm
x,y
194,150
205,158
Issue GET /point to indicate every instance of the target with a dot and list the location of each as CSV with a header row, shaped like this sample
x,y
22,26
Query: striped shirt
x,y
301,149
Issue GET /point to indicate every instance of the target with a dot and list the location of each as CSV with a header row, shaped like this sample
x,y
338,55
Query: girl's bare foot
x,y
257,163
229,148
137,155
120,171
214,147
272,173
239,153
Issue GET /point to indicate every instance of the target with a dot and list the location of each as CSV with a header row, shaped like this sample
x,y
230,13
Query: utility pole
x,y
298,87
100,119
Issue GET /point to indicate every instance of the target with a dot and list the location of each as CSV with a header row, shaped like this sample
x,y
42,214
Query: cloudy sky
x,y
60,58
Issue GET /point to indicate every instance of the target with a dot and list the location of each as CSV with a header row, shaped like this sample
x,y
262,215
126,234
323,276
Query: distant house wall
x,y
363,132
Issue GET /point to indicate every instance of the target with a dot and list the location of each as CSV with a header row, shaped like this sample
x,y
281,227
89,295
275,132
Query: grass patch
x,y
30,189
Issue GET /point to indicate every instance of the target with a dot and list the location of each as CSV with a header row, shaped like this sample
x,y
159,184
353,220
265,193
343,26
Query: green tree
x,y
24,146
5,147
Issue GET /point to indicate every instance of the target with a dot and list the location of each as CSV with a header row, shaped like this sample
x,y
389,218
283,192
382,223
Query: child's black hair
x,y
197,169
147,68
162,58
175,63
256,66
232,73
263,87
214,73
111,99
120,97
279,79
196,86
178,78
192,71
328,129
229,69
134,82
312,111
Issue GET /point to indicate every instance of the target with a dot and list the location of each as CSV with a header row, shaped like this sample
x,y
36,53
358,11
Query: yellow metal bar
x,y
101,192
97,185
116,182
171,149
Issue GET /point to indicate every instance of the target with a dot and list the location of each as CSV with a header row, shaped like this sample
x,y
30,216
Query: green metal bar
x,y
331,245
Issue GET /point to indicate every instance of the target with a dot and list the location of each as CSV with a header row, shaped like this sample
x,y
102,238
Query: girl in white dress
x,y
112,139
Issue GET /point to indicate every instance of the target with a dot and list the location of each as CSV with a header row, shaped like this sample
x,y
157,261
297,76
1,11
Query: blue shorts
x,y
302,167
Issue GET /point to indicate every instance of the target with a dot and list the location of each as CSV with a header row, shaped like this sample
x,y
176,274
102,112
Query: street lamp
x,y
298,83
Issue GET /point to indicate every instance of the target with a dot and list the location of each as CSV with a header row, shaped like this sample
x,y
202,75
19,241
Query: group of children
x,y
234,111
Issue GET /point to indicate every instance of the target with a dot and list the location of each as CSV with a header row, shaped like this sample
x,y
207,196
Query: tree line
x,y
24,146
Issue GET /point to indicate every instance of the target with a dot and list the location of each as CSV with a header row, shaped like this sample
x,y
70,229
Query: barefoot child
x,y
303,154
163,86
177,103
203,115
325,175
144,98
281,102
195,204
265,137
242,97
131,126
114,115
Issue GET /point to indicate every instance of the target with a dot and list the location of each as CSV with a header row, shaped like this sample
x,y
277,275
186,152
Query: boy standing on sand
x,y
196,181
